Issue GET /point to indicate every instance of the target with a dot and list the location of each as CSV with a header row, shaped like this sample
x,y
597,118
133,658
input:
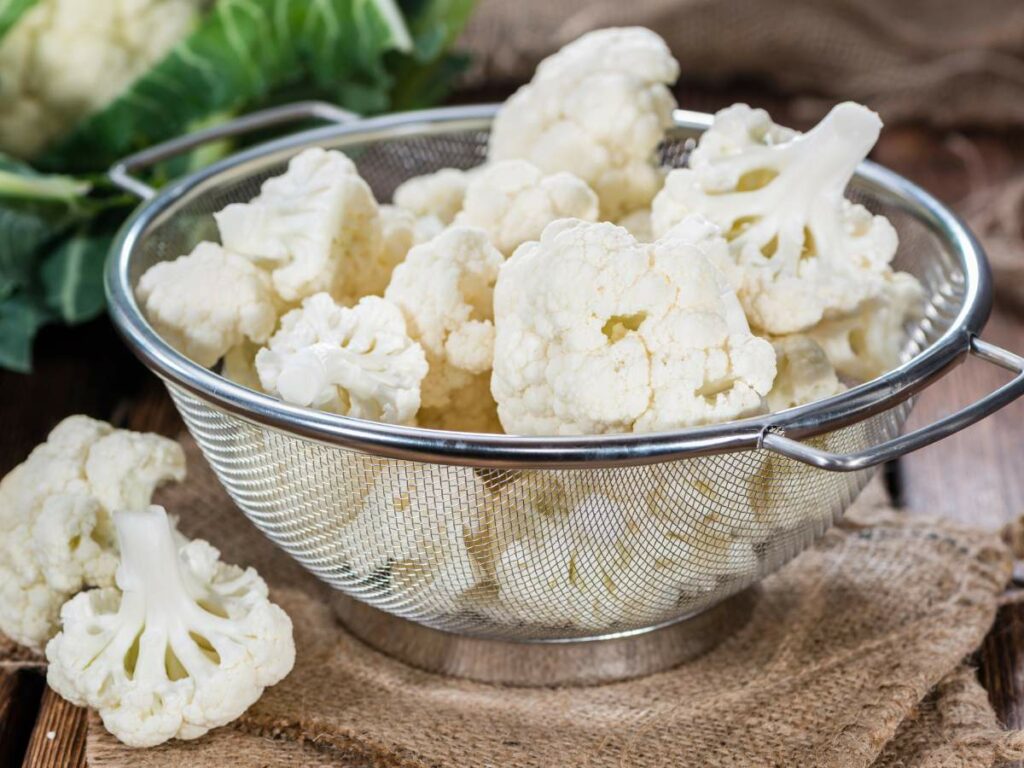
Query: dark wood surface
x,y
976,476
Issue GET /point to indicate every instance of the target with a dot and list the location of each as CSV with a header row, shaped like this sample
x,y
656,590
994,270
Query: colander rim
x,y
490,450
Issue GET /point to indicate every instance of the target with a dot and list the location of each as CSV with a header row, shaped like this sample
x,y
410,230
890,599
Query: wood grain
x,y
20,690
59,736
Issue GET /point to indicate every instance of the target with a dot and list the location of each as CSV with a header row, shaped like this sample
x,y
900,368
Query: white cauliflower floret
x,y
804,373
407,525
400,230
599,333
56,536
445,290
805,252
638,224
597,108
239,365
513,201
65,59
207,302
356,361
184,644
870,341
312,226
593,560
438,195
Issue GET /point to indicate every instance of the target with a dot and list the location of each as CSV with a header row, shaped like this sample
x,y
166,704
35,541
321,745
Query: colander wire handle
x,y
122,172
877,454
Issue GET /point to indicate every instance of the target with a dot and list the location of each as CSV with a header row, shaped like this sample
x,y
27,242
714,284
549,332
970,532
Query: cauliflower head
x,y
871,340
183,644
435,195
356,361
445,290
311,227
597,108
598,333
209,301
512,201
400,230
638,224
56,534
66,59
804,251
804,373
407,528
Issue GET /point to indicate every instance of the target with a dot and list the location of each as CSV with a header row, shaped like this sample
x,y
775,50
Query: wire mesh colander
x,y
538,539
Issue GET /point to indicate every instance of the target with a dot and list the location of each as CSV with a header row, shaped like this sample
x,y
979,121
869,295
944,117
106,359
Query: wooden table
x,y
976,477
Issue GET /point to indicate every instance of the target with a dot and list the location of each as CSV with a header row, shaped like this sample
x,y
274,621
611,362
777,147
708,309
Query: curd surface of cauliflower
x,y
209,301
185,643
445,290
356,361
871,340
512,201
311,226
56,535
597,108
438,195
65,59
598,333
804,252
804,373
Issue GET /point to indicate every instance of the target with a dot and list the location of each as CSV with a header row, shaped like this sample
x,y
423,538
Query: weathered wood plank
x,y
58,738
20,690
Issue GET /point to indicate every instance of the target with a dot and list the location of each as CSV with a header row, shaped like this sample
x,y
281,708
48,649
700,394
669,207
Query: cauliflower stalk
x,y
184,643
56,535
597,108
445,290
208,302
598,333
804,252
66,59
513,201
313,227
356,361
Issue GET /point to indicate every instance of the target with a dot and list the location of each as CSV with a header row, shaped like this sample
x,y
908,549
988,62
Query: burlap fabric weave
x,y
854,657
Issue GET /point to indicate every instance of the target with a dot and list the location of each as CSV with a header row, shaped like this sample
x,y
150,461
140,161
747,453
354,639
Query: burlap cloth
x,y
855,656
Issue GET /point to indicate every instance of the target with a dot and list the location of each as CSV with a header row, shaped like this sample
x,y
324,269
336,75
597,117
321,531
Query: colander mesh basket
x,y
525,553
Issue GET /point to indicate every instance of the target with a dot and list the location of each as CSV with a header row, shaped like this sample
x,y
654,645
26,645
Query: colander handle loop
x,y
122,172
892,449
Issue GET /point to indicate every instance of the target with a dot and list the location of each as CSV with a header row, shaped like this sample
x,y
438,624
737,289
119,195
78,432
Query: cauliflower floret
x,y
207,302
597,108
184,644
239,365
56,536
599,333
804,373
400,230
311,226
356,361
870,341
66,59
406,526
445,289
588,558
638,224
513,201
804,251
438,195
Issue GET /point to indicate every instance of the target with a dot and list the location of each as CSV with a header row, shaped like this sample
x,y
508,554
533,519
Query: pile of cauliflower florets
x,y
149,628
567,286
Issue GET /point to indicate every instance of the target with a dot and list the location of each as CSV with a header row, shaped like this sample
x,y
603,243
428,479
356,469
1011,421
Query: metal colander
x,y
538,539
